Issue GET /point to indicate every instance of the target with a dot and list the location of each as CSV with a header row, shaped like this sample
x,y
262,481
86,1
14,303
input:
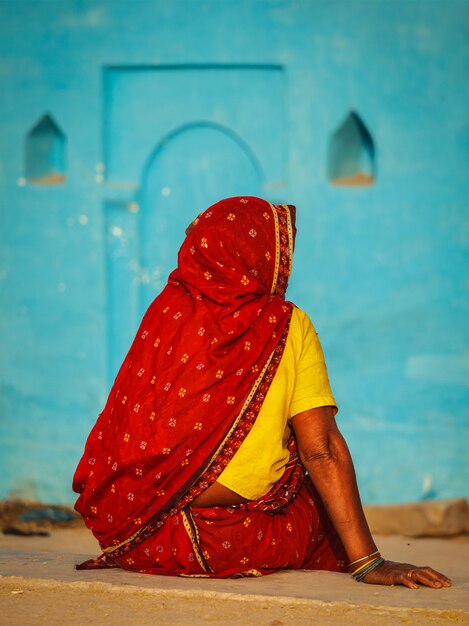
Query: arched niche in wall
x,y
351,158
44,153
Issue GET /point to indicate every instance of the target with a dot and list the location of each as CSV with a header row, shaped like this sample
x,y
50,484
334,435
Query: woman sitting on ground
x,y
217,453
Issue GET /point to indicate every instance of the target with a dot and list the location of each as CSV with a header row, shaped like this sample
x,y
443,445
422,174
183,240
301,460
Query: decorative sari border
x,y
241,413
284,248
216,463
290,237
193,533
110,549
245,419
277,249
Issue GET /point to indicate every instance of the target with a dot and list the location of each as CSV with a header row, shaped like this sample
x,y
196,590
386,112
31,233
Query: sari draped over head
x,y
196,374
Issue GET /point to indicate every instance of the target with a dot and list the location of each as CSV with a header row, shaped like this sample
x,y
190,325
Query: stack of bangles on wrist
x,y
361,567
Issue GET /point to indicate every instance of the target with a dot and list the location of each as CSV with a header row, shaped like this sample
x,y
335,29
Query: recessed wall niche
x,y
44,153
351,158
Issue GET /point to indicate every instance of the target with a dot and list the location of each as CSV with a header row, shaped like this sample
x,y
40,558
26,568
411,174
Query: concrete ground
x,y
39,585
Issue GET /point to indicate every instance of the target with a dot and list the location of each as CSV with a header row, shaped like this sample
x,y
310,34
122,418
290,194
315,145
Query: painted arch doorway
x,y
190,169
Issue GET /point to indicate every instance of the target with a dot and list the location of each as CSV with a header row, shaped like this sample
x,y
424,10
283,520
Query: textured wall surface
x,y
164,107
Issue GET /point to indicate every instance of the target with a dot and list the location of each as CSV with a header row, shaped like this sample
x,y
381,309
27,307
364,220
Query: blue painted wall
x,y
255,88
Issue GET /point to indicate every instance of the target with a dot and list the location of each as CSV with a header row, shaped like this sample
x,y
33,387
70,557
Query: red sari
x,y
185,398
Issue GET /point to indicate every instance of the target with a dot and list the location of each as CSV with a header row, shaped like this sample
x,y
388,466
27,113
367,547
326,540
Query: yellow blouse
x,y
300,383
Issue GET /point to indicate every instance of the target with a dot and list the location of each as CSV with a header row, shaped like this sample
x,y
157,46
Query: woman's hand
x,y
390,573
327,459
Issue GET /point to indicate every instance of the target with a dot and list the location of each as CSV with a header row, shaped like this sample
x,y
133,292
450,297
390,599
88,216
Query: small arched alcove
x,y
44,155
351,158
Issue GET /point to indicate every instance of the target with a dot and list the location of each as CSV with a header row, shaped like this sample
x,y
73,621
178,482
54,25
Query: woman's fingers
x,y
418,575
407,582
429,577
444,580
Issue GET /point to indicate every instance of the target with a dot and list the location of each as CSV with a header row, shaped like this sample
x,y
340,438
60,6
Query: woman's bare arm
x,y
325,455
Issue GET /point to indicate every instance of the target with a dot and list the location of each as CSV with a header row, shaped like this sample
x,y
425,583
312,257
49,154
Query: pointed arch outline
x,y
44,152
179,130
351,159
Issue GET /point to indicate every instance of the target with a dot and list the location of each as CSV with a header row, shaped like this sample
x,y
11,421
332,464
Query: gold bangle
x,y
364,558
372,560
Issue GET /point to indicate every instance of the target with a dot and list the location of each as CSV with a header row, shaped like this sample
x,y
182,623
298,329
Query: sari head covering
x,y
193,381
